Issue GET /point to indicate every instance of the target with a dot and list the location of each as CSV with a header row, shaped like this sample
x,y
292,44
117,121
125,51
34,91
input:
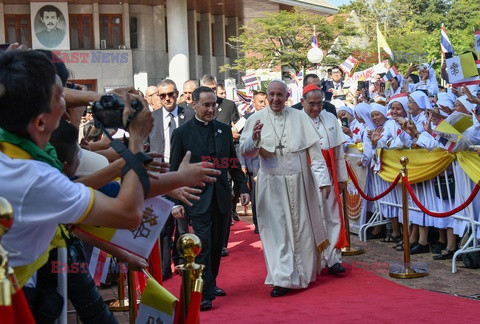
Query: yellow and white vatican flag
x,y
382,43
157,304
140,240
461,67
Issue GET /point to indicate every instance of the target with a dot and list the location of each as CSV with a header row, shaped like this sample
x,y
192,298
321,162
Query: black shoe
x,y
166,275
444,256
205,305
278,291
419,248
255,230
219,292
224,252
336,268
235,216
438,247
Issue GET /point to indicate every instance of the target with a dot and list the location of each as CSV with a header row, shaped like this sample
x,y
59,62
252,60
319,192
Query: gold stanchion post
x,y
132,297
348,250
189,246
406,271
120,304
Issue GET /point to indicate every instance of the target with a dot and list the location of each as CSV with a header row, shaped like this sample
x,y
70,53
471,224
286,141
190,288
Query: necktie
x,y
171,125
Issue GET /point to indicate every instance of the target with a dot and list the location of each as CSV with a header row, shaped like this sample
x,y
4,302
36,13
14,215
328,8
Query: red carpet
x,y
357,296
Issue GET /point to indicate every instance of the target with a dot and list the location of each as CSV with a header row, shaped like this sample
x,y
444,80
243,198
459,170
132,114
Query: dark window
x,y
133,33
91,84
111,31
166,34
81,31
212,31
17,29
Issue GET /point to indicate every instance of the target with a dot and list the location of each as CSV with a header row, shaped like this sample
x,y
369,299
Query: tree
x,y
281,38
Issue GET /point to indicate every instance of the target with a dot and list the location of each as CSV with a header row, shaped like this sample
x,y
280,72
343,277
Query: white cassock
x,y
332,137
288,209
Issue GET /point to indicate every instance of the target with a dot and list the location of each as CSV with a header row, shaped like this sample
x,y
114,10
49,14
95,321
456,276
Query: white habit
x,y
288,209
332,137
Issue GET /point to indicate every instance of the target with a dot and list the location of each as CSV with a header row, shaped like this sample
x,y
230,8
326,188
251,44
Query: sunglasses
x,y
170,94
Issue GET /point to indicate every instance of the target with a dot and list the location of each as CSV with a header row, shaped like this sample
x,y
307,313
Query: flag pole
x,y
378,44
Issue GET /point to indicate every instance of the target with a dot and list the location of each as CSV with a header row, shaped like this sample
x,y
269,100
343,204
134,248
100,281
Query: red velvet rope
x,y
364,196
444,214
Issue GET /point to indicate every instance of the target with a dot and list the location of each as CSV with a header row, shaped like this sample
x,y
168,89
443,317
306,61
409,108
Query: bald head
x,y
152,98
188,88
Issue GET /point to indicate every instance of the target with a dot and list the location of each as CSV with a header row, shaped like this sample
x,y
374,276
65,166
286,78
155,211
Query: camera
x,y
108,111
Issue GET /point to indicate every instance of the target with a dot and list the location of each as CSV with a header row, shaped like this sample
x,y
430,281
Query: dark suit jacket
x,y
226,112
156,138
327,85
184,105
188,138
326,105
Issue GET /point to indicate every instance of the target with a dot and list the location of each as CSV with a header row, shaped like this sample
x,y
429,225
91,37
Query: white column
x,y
96,26
126,25
2,26
177,41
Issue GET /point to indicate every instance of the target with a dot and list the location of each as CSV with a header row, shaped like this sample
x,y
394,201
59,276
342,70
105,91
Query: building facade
x,y
108,43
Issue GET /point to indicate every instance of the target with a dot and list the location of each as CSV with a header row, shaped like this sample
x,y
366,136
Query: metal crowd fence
x,y
449,194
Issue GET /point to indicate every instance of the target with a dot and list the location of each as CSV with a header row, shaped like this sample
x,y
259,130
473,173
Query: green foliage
x,y
284,38
414,26
281,38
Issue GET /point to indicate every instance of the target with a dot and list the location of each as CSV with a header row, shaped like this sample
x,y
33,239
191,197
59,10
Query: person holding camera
x,y
41,196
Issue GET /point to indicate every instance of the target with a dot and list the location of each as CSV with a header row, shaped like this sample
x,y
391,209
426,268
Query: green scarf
x,y
48,155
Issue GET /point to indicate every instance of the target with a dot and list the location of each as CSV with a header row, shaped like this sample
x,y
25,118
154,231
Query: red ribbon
x,y
444,214
364,196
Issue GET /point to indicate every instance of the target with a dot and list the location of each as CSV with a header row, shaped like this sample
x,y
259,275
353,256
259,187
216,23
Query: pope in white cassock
x,y
331,145
292,172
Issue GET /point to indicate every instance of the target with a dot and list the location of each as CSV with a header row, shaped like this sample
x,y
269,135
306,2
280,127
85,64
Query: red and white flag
x,y
250,80
314,39
390,74
349,65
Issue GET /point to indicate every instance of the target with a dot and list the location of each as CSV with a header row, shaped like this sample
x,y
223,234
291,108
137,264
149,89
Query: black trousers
x,y
210,229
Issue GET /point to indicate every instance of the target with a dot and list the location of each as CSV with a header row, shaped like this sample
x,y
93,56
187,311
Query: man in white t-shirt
x,y
41,196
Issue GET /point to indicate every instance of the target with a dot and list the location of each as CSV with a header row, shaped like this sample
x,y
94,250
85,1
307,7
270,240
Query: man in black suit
x,y
334,89
165,120
209,140
226,113
314,79
188,87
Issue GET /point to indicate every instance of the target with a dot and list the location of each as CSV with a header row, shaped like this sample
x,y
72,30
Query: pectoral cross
x,y
280,147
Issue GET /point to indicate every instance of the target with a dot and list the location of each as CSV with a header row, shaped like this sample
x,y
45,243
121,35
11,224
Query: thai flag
x,y
250,80
349,65
390,74
314,38
300,76
445,143
445,42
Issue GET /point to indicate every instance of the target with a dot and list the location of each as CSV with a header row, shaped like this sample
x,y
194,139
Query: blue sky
x,y
338,3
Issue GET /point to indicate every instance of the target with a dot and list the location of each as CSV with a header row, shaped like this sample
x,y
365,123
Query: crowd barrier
x,y
440,185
